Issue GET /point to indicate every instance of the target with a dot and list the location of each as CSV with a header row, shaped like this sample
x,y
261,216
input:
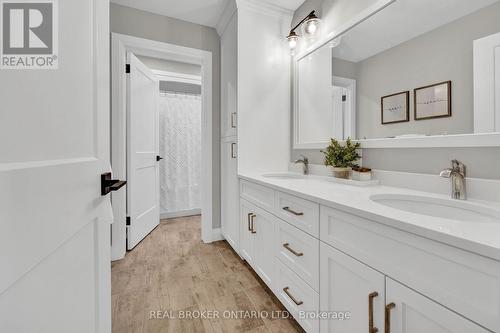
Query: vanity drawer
x,y
466,283
260,195
299,251
297,296
301,213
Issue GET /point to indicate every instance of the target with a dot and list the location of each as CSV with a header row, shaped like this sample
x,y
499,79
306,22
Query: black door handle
x,y
158,158
109,185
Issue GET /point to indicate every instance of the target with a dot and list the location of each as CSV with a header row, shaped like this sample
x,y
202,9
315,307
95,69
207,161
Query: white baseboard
x,y
182,213
217,235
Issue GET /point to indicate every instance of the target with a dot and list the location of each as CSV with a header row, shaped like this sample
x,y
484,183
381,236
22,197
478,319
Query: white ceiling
x,y
204,12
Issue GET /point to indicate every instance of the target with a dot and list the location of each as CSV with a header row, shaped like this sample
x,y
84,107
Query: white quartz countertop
x,y
476,237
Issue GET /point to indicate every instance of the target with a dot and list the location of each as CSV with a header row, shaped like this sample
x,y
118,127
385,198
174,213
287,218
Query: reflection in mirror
x,y
406,71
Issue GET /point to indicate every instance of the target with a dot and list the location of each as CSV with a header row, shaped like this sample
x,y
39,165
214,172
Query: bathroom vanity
x,y
326,248
397,257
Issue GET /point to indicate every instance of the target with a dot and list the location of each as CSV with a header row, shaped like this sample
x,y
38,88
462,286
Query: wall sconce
x,y
311,23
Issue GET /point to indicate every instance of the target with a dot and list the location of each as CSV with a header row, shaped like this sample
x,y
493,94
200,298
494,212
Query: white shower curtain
x,y
180,145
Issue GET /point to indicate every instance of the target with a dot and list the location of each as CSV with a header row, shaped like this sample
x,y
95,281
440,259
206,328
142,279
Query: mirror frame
x,y
431,141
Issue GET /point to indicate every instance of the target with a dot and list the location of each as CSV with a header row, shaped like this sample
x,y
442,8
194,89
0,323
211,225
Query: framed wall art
x,y
395,108
433,101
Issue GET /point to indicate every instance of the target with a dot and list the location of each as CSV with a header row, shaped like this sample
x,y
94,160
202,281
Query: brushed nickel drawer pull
x,y
253,223
371,327
233,150
291,297
233,122
249,215
388,309
287,246
287,209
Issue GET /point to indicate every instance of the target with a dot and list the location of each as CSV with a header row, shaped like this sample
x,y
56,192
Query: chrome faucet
x,y
457,173
305,164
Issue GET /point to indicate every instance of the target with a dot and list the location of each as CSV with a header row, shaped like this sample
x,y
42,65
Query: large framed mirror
x,y
408,73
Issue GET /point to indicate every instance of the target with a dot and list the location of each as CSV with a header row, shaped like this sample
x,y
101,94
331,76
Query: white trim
x,y
177,77
182,213
226,17
264,7
217,235
432,141
150,48
436,141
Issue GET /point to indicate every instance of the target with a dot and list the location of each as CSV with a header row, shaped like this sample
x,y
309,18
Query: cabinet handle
x,y
233,145
291,297
388,309
249,215
371,328
287,246
287,209
253,225
233,122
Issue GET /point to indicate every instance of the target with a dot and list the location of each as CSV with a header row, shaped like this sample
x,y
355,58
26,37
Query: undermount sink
x,y
442,208
284,175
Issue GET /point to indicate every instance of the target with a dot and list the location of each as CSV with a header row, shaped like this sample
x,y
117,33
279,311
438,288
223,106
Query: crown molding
x,y
266,7
226,17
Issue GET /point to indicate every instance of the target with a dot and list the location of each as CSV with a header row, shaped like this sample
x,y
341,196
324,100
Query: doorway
x,y
121,45
180,139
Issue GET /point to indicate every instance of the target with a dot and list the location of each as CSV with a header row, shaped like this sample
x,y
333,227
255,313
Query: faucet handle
x,y
459,167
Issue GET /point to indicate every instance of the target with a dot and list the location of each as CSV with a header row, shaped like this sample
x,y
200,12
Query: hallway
x,y
172,273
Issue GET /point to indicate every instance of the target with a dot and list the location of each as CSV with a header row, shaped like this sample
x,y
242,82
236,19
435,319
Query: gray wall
x,y
443,54
133,22
482,162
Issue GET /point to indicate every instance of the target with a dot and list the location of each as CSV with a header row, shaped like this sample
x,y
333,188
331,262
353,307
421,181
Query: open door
x,y
55,273
143,200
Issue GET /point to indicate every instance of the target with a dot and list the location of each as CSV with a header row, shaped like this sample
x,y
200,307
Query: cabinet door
x,y
350,286
247,213
229,195
410,312
264,228
229,54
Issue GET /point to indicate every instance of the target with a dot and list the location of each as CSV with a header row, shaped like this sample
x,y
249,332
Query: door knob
x,y
109,185
158,158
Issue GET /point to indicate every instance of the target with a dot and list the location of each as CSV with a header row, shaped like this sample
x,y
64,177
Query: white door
x,y
229,194
410,312
264,228
143,198
54,145
247,239
486,83
348,285
229,78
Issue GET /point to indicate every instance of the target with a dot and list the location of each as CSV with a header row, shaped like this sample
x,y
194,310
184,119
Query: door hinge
x,y
127,68
128,220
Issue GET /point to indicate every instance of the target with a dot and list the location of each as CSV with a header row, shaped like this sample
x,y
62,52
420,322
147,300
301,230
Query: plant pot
x,y
343,173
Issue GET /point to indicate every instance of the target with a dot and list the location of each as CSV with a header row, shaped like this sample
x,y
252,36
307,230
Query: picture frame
x,y
433,101
395,108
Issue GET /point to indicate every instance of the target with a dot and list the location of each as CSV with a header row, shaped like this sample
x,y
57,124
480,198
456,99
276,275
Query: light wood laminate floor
x,y
172,271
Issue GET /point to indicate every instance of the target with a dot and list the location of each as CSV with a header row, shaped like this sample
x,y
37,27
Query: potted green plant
x,y
341,157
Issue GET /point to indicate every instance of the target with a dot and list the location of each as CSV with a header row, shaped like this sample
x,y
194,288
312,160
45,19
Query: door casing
x,y
120,45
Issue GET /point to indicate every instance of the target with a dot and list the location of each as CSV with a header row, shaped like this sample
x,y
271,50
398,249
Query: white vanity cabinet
x,y
326,261
410,312
257,230
348,285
